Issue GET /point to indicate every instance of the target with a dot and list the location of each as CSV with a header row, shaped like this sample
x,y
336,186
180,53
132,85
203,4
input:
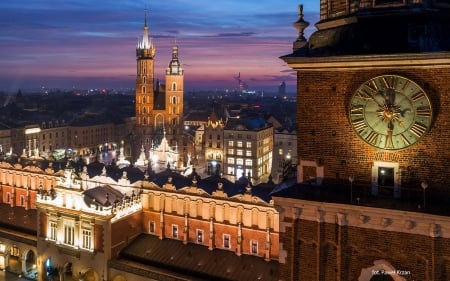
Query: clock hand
x,y
389,143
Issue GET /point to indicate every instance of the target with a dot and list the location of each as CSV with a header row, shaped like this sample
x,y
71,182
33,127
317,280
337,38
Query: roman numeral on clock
x,y
389,82
423,112
372,137
357,110
359,125
417,96
418,129
405,140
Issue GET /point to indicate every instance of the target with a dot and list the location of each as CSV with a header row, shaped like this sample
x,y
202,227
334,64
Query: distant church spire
x,y
145,45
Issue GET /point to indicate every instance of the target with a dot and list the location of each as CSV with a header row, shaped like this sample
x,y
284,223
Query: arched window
x,y
144,111
174,100
143,90
144,121
174,86
143,79
143,99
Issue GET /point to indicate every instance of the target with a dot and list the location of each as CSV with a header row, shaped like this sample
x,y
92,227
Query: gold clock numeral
x,y
372,138
417,96
405,140
362,93
359,125
404,85
372,86
418,129
389,82
357,110
423,112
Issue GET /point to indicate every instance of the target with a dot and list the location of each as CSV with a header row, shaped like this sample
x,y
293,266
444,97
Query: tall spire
x,y
145,46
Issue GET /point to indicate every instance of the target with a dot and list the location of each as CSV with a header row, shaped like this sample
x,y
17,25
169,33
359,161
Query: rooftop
x,y
198,261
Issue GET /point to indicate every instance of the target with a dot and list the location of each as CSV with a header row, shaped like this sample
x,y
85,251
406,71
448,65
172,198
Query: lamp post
x,y
424,185
351,179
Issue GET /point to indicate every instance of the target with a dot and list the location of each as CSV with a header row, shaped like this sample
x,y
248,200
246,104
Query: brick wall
x,y
325,134
332,251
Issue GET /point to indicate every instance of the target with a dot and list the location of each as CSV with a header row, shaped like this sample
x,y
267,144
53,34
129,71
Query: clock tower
x,y
373,84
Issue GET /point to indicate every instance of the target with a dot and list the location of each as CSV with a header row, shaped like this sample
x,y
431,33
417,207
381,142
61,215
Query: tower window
x,y
174,86
143,90
199,236
254,247
226,241
174,100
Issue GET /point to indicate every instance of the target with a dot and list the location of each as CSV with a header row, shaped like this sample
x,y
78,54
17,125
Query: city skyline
x,y
83,44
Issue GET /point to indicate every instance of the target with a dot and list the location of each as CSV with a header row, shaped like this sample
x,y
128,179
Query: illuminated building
x,y
371,201
159,108
213,134
248,146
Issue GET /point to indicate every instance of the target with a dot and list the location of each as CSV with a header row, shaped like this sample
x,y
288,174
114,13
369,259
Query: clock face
x,y
390,112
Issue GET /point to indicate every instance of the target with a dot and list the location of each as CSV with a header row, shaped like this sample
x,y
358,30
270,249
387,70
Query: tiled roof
x,y
198,261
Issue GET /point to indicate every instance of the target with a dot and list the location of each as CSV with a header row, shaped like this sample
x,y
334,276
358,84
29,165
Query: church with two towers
x,y
159,107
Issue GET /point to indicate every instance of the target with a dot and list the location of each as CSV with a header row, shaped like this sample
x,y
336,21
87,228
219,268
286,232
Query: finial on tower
x,y
145,16
300,24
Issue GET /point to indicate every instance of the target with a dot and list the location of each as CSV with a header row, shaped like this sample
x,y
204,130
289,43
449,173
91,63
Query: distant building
x,y
248,148
159,108
284,154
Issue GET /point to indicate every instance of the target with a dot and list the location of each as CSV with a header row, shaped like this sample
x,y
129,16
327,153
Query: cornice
x,y
364,217
397,61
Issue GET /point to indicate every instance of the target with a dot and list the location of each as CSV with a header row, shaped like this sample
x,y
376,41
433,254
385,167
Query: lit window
x,y
230,161
230,151
239,143
248,153
239,161
69,232
152,227
239,152
52,231
15,252
280,151
86,239
230,143
248,162
199,236
175,231
226,241
254,247
249,144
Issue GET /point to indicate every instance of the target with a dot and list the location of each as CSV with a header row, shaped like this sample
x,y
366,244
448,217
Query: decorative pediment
x,y
6,165
33,169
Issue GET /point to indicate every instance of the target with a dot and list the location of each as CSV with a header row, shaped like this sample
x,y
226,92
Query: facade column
x,y
161,224
211,234
186,229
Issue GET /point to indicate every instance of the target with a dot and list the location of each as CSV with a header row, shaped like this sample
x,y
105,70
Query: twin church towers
x,y
159,107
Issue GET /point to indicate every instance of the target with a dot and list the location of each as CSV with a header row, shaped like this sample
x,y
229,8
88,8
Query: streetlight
x,y
424,187
351,179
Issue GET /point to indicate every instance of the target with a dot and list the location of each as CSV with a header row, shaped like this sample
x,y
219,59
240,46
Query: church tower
x,y
174,98
145,54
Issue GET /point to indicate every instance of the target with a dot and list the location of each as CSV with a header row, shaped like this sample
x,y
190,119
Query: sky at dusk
x,y
91,44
